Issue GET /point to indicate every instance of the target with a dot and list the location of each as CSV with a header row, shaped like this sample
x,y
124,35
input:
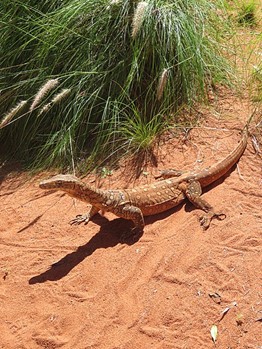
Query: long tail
x,y
213,173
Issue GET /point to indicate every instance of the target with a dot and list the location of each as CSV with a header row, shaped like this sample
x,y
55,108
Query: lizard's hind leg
x,y
134,214
193,192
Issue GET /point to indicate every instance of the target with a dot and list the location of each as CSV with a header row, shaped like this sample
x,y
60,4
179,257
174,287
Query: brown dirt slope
x,y
65,286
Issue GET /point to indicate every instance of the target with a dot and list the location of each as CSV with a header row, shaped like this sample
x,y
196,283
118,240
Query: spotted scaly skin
x,y
134,204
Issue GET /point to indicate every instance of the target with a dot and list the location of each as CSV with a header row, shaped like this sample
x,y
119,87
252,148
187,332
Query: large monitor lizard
x,y
153,198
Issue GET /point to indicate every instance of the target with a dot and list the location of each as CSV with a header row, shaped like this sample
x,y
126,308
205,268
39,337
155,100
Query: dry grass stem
x,y
48,86
162,84
138,17
13,112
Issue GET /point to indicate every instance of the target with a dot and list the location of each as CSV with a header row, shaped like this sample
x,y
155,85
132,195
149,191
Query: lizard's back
x,y
155,198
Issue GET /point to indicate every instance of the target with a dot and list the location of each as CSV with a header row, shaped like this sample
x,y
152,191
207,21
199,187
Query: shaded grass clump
x,y
118,68
247,14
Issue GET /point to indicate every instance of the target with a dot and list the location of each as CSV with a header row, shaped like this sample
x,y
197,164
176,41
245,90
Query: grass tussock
x,y
102,75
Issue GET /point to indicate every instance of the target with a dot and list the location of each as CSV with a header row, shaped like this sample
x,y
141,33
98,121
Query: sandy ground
x,y
65,286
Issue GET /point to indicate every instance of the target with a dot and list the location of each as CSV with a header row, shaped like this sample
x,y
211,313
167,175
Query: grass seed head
x,y
138,17
115,2
45,108
12,113
48,86
162,84
61,95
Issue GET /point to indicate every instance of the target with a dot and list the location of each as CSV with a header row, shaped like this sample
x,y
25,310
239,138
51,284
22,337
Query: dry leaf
x,y
215,297
233,304
225,310
213,333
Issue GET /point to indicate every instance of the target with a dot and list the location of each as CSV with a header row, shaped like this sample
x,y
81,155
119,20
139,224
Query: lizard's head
x,y
64,182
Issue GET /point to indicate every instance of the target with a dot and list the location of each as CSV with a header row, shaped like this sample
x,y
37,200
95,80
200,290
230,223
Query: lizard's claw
x,y
80,218
220,216
206,219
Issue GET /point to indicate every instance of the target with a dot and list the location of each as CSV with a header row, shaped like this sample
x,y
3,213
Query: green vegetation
x,y
257,81
246,15
87,78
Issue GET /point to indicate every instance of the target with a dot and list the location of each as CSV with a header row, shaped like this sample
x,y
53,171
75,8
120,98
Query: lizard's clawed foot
x,y
206,219
80,218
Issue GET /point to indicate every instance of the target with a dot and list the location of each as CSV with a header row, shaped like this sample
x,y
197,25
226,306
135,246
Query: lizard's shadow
x,y
109,235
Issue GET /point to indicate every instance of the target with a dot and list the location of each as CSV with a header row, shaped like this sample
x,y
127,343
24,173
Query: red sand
x,y
65,286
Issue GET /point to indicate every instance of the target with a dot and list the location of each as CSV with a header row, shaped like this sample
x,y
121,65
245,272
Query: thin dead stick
x,y
255,145
239,174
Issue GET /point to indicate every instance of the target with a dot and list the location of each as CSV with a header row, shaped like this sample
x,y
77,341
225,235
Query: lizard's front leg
x,y
193,192
85,218
132,213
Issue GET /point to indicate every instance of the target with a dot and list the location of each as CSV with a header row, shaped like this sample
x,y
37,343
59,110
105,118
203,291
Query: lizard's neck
x,y
86,193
